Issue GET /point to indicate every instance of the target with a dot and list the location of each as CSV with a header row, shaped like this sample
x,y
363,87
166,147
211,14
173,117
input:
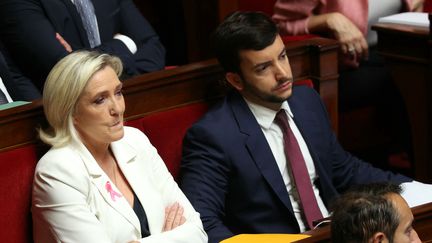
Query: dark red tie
x,y
299,171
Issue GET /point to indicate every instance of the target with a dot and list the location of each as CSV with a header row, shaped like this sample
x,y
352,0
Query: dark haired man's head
x,y
378,189
253,55
372,213
242,31
359,216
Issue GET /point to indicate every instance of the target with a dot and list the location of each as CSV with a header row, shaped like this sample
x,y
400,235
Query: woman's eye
x,y
409,231
99,100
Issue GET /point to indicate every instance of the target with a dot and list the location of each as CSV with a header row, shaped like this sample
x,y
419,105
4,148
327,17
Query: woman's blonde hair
x,y
63,87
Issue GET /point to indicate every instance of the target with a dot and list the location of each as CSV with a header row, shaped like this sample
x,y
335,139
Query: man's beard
x,y
266,96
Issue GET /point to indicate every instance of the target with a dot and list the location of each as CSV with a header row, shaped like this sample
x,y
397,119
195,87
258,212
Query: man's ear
x,y
378,237
235,80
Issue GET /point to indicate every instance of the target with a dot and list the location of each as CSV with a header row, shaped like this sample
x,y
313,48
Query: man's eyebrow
x,y
267,63
410,225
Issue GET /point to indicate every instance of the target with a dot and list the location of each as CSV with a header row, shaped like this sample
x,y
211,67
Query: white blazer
x,y
71,204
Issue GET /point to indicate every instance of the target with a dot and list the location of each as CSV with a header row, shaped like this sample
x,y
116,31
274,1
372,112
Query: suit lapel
x,y
259,149
76,19
305,120
100,179
137,177
4,73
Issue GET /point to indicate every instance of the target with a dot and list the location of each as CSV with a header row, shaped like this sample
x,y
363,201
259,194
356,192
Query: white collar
x,y
4,90
266,116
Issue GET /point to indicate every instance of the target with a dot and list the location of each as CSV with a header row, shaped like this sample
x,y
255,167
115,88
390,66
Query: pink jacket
x,y
292,16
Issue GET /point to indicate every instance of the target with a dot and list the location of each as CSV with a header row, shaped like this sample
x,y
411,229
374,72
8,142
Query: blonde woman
x,y
102,181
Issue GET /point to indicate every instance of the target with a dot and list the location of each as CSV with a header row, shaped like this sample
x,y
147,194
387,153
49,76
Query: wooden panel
x,y
192,83
226,7
407,51
201,18
144,94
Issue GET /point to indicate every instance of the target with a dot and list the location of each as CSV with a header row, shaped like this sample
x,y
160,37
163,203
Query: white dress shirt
x,y
273,134
4,90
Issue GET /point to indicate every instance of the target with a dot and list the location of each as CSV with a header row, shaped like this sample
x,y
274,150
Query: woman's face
x,y
98,116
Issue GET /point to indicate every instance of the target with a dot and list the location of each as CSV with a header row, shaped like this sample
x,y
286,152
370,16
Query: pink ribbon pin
x,y
111,191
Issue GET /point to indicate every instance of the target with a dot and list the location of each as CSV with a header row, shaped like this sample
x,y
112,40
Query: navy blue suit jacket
x,y
28,30
19,87
231,177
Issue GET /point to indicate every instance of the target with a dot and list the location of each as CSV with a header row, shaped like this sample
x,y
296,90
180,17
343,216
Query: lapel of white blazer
x,y
137,174
100,179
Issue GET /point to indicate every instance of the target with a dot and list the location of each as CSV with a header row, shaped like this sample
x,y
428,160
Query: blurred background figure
x,y
39,33
14,86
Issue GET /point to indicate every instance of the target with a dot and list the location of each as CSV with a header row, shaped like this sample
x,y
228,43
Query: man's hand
x,y
64,43
173,217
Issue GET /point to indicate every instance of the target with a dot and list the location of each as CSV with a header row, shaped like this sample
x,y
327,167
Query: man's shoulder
x,y
304,96
303,91
216,115
220,117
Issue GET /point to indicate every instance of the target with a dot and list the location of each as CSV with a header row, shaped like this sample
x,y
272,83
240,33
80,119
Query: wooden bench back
x,y
314,59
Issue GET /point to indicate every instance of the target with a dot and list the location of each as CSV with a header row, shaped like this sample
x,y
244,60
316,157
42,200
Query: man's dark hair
x,y
364,211
242,31
377,188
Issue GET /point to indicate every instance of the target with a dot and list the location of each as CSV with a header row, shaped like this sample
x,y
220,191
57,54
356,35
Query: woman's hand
x,y
350,37
417,5
173,217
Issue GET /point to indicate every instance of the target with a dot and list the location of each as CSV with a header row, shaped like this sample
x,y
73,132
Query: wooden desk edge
x,y
402,29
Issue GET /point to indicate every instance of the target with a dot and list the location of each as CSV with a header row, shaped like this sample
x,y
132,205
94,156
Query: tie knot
x,y
281,120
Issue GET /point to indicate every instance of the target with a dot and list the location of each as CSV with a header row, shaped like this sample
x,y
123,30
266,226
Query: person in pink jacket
x,y
364,80
346,21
